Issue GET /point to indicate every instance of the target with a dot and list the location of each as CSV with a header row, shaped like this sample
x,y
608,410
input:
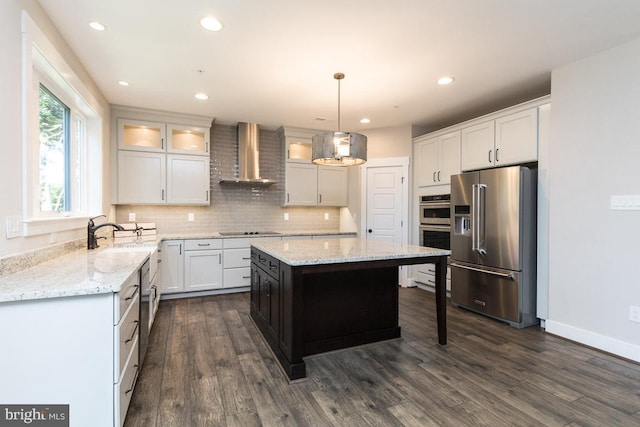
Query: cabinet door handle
x,y
438,176
206,195
219,258
163,194
180,253
320,198
133,333
490,155
162,143
497,149
287,197
434,176
206,147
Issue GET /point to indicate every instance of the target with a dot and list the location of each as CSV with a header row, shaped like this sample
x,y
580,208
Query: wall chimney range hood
x,y
248,158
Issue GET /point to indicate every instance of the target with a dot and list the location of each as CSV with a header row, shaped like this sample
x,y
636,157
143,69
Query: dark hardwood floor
x,y
207,365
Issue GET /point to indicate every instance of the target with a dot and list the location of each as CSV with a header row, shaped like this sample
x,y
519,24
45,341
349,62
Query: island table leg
x,y
441,299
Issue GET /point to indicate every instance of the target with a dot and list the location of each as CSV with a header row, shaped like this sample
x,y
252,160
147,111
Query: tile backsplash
x,y
239,207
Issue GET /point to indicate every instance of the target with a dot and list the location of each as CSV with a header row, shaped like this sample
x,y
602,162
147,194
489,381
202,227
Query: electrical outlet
x,y
14,227
132,217
326,216
286,216
634,313
191,216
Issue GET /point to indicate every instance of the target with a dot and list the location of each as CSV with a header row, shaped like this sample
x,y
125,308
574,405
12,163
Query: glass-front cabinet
x,y
139,135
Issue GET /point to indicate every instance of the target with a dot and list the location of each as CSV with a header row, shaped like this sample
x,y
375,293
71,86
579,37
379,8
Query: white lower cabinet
x,y
426,274
202,265
171,269
77,350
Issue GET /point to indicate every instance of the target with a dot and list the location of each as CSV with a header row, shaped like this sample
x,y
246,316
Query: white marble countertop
x,y
334,251
81,272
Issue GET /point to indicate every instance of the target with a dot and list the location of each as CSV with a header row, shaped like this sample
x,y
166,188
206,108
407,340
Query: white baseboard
x,y
601,342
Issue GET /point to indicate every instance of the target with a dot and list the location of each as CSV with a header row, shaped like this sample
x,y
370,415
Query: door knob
x,y
370,230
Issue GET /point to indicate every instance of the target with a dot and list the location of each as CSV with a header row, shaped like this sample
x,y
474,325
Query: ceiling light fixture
x,y
97,26
337,148
201,96
446,80
210,23
123,83
365,120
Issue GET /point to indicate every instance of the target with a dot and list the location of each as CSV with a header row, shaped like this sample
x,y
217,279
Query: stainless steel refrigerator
x,y
493,243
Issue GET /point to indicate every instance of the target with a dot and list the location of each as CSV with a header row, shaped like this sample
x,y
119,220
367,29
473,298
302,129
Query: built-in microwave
x,y
435,209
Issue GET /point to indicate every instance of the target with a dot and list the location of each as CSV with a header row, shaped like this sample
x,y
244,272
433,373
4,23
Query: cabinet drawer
x,y
236,277
202,244
234,258
128,292
123,390
268,263
125,337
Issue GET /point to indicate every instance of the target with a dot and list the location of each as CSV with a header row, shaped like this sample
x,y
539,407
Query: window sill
x,y
35,227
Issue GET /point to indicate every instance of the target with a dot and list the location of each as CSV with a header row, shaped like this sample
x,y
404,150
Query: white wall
x,y
594,153
11,160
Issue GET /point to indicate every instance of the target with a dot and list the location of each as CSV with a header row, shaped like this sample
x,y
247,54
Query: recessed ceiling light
x,y
97,26
443,81
210,23
201,96
123,83
365,120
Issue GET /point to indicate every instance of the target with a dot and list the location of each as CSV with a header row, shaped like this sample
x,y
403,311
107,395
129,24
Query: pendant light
x,y
337,148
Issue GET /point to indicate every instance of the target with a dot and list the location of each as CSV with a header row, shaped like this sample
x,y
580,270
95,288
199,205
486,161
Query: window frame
x,y
43,64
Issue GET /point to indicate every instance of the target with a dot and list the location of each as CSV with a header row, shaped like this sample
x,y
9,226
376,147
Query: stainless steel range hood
x,y
248,157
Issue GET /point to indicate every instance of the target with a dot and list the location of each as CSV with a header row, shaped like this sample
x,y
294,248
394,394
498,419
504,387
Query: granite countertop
x,y
103,270
334,251
81,272
240,234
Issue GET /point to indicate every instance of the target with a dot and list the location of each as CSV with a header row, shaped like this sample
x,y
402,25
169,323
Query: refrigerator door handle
x,y
481,221
495,273
474,228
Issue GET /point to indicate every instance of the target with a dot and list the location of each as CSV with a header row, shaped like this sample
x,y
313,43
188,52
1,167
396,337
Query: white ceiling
x,y
273,63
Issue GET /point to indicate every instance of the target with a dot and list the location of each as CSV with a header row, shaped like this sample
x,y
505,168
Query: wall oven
x,y
435,221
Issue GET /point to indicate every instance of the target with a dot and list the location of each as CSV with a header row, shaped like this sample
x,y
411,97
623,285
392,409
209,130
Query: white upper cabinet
x,y
506,140
332,186
188,139
307,184
140,135
158,161
437,159
187,180
517,138
301,184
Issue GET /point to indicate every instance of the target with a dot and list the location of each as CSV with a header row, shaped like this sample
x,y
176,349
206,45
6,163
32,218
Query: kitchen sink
x,y
248,233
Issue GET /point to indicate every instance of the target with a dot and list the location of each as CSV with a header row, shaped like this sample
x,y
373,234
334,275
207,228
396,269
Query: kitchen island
x,y
314,296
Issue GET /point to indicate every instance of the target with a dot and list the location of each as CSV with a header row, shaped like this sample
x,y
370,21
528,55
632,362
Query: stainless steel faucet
x,y
92,240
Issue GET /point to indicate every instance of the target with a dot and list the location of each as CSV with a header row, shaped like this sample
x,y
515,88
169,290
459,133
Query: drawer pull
x,y
246,258
133,294
246,277
133,333
273,266
135,380
204,244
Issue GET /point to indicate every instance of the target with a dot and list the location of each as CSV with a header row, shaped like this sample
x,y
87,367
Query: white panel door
x,y
384,203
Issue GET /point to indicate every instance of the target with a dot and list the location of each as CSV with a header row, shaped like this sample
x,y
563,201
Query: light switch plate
x,y
191,216
625,202
326,216
132,217
286,216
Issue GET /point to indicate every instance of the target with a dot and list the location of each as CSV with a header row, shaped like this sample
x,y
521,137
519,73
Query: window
x,y
63,137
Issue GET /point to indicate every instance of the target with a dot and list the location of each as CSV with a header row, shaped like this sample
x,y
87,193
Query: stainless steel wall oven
x,y
435,221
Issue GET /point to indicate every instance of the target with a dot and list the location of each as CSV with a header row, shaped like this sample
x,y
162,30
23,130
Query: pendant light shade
x,y
337,148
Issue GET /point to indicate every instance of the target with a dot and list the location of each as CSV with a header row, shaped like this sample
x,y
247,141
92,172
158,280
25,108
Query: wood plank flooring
x,y
207,365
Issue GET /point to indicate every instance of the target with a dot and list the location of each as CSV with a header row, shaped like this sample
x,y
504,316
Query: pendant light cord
x,y
338,77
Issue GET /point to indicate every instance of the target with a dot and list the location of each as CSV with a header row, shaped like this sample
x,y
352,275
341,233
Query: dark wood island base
x,y
309,309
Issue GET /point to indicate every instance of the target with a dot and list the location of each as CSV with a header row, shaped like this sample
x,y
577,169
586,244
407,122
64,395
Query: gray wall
x,y
594,152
